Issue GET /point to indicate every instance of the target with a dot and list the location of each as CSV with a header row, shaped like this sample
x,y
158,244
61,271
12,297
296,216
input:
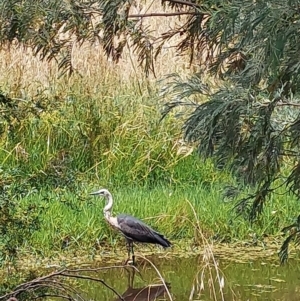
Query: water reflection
x,y
149,292
257,280
146,293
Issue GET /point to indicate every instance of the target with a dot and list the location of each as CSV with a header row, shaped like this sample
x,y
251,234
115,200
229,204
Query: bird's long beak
x,y
95,192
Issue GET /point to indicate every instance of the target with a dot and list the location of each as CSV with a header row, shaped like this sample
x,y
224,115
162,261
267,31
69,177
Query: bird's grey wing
x,y
130,225
137,230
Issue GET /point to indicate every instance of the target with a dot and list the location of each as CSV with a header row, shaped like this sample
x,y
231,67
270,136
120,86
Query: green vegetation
x,y
52,155
76,218
79,217
79,141
111,138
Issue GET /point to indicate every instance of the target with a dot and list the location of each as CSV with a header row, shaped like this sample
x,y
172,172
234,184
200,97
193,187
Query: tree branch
x,y
50,295
185,3
57,287
92,279
292,104
163,14
282,104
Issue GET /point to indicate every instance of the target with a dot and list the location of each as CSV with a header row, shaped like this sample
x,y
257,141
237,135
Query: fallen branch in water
x,y
55,285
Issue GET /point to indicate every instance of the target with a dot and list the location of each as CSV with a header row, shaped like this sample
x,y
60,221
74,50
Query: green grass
x,y
78,216
114,135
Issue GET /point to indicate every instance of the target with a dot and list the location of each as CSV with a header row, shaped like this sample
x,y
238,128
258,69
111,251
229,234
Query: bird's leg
x,y
133,257
128,251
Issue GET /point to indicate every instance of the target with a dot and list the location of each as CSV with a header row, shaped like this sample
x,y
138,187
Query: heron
x,y
133,229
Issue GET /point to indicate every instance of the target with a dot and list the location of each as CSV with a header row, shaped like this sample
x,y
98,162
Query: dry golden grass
x,y
75,103
21,71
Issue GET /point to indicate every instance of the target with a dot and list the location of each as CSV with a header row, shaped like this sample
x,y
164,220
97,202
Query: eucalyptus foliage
x,y
250,122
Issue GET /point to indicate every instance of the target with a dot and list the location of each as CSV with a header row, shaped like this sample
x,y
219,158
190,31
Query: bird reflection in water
x,y
150,292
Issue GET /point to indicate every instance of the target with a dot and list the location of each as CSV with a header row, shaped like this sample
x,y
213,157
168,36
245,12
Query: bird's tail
x,y
163,241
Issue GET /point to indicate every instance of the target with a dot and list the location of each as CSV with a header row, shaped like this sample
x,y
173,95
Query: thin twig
x,y
163,14
281,104
52,296
292,104
93,279
160,276
185,3
51,281
209,251
98,269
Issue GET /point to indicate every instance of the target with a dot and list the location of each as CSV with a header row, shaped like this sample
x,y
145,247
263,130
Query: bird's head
x,y
101,192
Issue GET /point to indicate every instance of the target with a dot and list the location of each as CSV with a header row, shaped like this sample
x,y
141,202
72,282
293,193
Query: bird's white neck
x,y
107,212
108,207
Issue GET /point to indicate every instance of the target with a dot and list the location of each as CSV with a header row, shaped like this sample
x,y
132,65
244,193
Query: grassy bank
x,y
64,137
80,134
73,220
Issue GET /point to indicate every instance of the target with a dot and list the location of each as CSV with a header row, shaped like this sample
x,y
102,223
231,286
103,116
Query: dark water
x,y
248,281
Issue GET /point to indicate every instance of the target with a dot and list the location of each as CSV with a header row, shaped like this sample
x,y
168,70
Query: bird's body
x,y
133,229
